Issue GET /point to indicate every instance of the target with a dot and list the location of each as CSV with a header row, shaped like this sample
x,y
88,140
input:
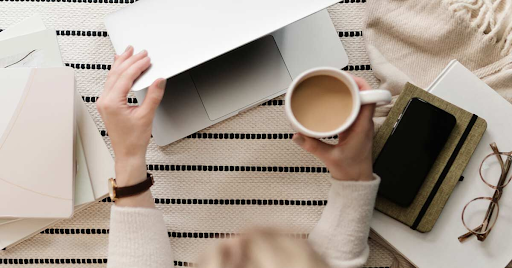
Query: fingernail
x,y
128,48
298,139
143,52
162,83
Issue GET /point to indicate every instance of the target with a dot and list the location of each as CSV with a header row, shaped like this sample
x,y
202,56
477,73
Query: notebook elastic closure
x,y
445,171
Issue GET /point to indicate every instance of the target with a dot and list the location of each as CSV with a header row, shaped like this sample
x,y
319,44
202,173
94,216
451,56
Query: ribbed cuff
x,y
341,234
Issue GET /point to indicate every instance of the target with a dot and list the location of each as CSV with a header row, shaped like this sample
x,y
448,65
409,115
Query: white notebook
x,y
440,247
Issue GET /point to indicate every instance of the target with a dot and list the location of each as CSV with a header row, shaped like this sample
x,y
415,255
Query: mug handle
x,y
378,96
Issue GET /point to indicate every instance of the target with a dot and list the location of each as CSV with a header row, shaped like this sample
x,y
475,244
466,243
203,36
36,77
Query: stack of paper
x,y
68,159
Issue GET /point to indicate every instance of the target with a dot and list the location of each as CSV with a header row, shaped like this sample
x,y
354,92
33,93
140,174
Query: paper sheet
x,y
83,188
18,50
27,59
30,25
5,221
27,26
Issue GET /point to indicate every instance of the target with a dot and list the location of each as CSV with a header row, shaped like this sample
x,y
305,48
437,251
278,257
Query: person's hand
x,y
351,158
129,127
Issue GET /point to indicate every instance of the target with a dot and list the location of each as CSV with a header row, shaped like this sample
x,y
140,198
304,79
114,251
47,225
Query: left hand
x,y
129,127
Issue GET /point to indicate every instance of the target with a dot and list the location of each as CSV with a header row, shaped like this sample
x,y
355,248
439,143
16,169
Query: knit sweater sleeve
x,y
341,235
138,238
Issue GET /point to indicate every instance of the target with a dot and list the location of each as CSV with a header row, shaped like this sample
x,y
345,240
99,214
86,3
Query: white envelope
x,y
37,163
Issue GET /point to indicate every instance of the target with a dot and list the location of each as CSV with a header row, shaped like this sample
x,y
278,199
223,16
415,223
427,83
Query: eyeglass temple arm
x,y
504,172
495,150
469,234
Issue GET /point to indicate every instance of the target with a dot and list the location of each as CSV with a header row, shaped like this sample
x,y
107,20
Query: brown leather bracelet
x,y
120,192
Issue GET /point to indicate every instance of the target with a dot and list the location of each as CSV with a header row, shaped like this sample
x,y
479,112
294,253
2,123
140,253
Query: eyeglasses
x,y
493,172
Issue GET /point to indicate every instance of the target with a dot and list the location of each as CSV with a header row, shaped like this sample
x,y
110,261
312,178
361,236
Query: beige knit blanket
x,y
282,186
414,40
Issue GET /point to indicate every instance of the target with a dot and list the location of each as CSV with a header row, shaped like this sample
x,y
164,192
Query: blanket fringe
x,y
493,18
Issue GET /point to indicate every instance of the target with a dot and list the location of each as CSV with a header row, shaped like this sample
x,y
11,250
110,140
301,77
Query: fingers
x,y
125,81
363,121
316,147
154,96
361,83
367,111
123,63
115,71
121,58
131,60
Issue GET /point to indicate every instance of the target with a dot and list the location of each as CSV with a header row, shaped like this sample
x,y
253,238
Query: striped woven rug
x,y
210,185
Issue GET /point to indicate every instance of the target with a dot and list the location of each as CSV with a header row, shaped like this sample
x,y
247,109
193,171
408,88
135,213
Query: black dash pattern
x,y
53,261
215,168
235,136
350,34
98,66
76,231
229,202
82,33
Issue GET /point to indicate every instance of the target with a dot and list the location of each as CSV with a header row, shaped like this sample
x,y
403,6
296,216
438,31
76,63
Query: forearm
x,y
138,235
341,234
138,238
130,171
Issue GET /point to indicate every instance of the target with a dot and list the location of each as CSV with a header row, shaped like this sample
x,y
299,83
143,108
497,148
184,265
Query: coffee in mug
x,y
323,102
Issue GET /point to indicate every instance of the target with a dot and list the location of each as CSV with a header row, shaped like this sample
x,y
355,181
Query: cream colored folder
x,y
94,161
100,167
37,139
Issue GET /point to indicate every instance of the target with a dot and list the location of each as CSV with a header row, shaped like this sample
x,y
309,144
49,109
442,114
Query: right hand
x,y
351,158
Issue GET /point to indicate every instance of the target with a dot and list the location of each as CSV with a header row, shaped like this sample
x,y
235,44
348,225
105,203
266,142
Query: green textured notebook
x,y
423,213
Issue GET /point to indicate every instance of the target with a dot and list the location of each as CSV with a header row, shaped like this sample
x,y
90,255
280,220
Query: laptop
x,y
222,57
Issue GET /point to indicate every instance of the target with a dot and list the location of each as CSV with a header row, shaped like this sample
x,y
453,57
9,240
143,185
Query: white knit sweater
x,y
138,236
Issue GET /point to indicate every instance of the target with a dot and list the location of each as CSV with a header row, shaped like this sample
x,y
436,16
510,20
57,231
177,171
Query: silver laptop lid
x,y
181,34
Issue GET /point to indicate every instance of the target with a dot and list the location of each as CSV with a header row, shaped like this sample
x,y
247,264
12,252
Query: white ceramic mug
x,y
377,96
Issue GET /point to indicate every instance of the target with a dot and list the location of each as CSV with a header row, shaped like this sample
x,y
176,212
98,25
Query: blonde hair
x,y
262,248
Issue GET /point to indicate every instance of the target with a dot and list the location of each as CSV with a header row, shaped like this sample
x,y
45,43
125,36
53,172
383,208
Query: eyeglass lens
x,y
478,217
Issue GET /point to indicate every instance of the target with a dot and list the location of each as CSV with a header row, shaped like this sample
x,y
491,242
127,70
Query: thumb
x,y
314,146
154,96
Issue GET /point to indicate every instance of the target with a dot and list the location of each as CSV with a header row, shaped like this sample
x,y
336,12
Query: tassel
x,y
492,18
